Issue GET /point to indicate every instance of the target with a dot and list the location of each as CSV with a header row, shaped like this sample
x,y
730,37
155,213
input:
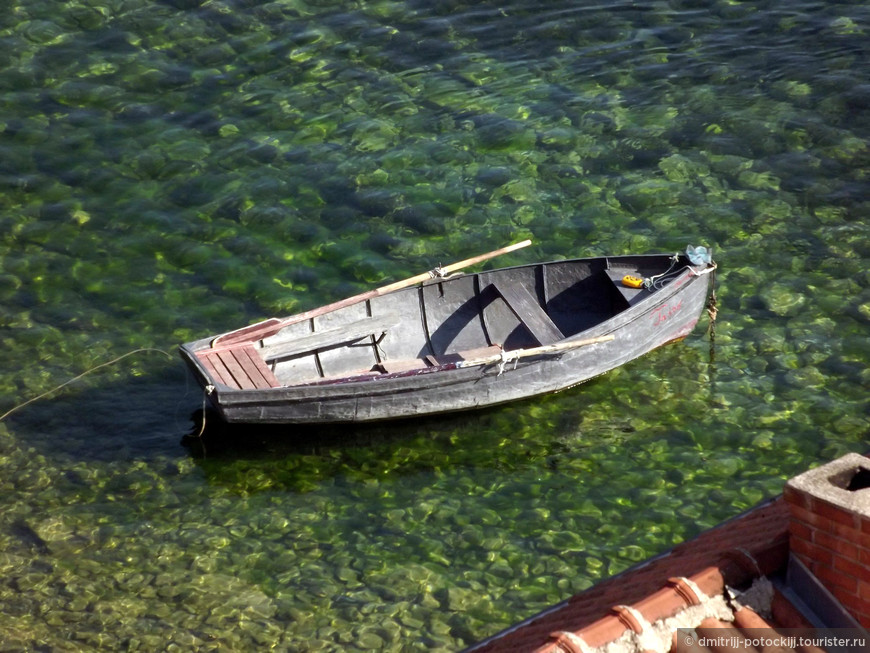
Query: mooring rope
x,y
205,393
712,312
85,373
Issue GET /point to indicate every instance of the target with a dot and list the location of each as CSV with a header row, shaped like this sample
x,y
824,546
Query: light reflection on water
x,y
173,170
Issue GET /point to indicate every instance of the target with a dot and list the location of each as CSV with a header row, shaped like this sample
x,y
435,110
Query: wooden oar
x,y
432,274
506,357
273,325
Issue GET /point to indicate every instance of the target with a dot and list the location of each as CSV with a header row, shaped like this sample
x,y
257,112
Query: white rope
x,y
506,357
442,273
654,280
706,270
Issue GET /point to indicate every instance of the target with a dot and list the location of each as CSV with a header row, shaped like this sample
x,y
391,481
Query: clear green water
x,y
173,169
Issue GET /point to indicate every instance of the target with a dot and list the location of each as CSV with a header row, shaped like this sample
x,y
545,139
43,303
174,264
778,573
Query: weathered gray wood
x,y
408,339
453,315
460,356
392,367
529,312
517,354
336,337
458,359
272,325
582,301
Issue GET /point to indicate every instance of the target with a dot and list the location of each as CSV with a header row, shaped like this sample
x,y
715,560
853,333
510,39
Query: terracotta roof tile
x,y
752,544
727,638
699,584
749,618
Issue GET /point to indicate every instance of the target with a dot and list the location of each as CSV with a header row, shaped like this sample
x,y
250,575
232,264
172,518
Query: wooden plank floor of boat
x,y
239,367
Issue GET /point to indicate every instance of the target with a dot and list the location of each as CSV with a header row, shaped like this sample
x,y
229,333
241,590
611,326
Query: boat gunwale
x,y
457,275
331,388
408,381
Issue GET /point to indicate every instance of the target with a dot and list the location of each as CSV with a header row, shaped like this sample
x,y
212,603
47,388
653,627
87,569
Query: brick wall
x,y
829,529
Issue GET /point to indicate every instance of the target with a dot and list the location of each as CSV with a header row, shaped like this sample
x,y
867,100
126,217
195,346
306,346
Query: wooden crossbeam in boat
x,y
406,365
459,356
529,312
239,367
329,338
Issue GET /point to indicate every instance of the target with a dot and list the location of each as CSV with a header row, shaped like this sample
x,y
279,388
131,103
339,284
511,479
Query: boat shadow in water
x,y
126,418
545,432
159,416
254,458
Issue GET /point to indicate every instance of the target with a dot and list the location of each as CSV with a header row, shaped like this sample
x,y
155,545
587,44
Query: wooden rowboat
x,y
440,342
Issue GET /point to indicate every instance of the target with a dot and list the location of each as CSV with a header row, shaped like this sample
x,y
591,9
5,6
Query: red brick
x,y
835,513
852,603
796,497
836,544
810,552
810,518
800,529
815,521
864,530
835,581
864,590
852,534
855,569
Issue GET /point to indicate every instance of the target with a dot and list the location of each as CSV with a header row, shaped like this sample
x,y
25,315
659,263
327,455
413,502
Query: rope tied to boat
x,y
506,357
708,270
712,313
206,391
442,273
657,281
83,374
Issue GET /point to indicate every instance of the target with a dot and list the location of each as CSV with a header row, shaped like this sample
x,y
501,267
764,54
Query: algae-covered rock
x,y
180,168
681,169
782,299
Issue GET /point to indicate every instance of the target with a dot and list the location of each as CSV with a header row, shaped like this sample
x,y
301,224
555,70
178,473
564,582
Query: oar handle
x,y
454,267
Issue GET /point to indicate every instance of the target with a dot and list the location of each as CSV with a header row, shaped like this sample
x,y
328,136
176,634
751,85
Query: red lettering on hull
x,y
664,313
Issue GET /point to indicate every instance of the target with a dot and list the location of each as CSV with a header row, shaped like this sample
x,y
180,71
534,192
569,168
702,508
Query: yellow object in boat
x,y
632,281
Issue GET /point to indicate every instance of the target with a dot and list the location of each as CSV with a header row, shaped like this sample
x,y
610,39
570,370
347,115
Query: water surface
x,y
174,169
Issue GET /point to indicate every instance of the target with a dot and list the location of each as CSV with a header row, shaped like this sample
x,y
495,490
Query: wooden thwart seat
x,y
239,367
529,312
335,337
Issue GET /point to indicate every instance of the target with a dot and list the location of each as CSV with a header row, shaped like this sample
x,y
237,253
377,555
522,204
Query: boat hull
x,y
669,314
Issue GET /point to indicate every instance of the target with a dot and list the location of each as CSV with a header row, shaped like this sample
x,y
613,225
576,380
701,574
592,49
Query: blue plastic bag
x,y
699,255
